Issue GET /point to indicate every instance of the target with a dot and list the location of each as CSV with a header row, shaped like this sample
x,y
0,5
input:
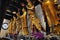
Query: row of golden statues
x,y
20,23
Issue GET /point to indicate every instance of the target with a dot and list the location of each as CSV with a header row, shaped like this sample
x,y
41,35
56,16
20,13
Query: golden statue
x,y
24,23
18,24
34,20
51,14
